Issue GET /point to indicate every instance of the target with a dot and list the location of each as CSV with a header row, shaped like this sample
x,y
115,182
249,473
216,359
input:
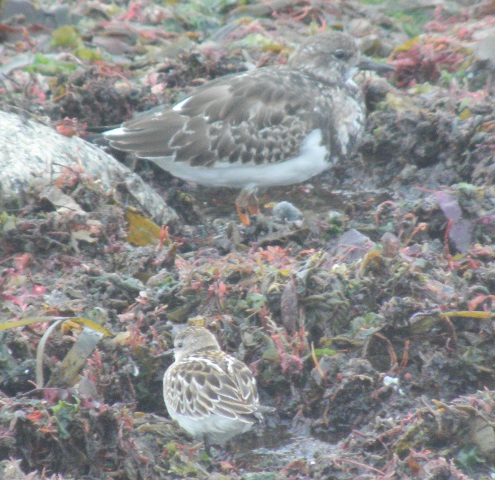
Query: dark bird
x,y
277,125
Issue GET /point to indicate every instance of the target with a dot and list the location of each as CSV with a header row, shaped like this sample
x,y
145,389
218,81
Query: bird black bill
x,y
368,64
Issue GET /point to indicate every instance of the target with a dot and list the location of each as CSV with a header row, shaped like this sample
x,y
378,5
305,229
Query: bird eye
x,y
179,344
340,54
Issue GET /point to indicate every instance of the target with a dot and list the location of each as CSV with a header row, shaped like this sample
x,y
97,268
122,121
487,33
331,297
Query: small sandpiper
x,y
212,395
277,125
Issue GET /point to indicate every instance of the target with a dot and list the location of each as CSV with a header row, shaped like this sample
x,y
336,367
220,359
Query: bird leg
x,y
253,204
207,445
247,204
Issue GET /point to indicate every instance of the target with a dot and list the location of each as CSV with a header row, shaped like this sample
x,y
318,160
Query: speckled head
x,y
329,56
194,340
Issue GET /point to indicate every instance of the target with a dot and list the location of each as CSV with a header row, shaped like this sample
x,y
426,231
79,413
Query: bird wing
x,y
206,388
253,117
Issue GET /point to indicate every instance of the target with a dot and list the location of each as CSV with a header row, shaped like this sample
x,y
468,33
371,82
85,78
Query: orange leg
x,y
253,204
247,204
243,214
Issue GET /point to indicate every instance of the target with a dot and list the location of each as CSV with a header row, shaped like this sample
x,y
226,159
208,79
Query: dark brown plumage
x,y
277,125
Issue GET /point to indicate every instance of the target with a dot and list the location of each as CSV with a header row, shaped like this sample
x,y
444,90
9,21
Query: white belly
x,y
217,428
310,161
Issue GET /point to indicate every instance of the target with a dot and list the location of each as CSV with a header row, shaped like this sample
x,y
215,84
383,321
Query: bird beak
x,y
166,353
368,64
